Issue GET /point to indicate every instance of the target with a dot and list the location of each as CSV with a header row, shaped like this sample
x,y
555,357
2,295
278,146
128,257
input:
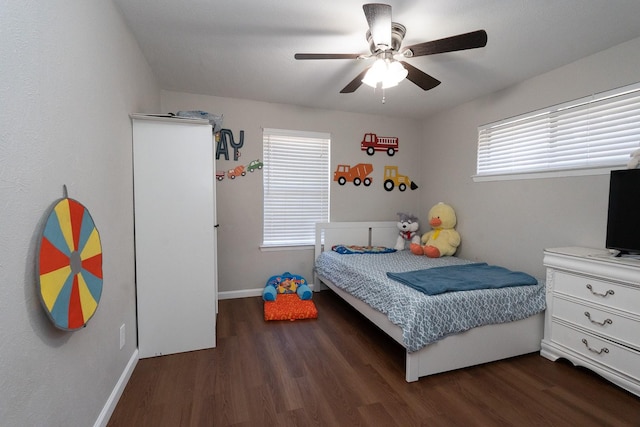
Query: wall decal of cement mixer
x,y
358,174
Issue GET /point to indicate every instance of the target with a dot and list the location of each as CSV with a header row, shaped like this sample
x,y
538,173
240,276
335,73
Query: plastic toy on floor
x,y
286,283
288,297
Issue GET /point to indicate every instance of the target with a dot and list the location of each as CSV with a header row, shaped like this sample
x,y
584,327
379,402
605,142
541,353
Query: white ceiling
x,y
244,48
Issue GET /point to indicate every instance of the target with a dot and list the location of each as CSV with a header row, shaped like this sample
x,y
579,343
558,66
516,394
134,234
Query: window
x,y
598,131
296,185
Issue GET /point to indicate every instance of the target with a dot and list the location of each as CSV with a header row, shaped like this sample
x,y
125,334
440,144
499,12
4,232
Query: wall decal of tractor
x,y
393,179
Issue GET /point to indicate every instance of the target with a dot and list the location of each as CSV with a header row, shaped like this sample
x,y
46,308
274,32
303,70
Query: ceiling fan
x,y
385,38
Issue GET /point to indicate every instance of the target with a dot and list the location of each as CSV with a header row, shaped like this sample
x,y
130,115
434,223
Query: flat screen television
x,y
623,220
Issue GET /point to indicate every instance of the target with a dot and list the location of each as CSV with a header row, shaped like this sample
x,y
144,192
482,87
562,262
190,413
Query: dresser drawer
x,y
599,291
603,352
617,327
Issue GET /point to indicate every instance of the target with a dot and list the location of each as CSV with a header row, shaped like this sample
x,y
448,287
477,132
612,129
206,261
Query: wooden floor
x,y
340,370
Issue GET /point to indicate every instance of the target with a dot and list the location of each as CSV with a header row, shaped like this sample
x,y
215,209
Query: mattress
x,y
425,319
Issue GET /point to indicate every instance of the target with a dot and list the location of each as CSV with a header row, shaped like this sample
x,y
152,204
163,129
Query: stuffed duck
x,y
443,239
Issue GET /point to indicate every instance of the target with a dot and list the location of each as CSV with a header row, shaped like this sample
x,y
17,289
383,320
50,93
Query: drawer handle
x,y
609,292
602,350
604,322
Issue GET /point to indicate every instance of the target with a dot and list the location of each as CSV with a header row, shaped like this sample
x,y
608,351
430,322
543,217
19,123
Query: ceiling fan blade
x,y
420,78
379,19
355,83
470,40
327,55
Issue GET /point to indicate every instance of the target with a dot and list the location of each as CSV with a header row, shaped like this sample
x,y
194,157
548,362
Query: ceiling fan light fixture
x,y
386,72
397,71
370,81
376,73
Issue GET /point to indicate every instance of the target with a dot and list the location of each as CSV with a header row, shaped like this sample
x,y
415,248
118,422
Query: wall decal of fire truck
x,y
358,174
372,143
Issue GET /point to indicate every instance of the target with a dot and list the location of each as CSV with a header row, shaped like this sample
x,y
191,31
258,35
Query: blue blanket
x,y
453,278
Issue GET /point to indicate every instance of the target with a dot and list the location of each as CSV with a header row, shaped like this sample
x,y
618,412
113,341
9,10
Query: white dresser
x,y
593,313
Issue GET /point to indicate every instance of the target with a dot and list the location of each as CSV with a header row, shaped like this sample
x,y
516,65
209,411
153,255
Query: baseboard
x,y
246,293
240,294
111,403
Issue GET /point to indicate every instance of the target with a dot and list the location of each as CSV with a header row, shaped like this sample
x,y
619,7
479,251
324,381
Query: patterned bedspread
x,y
425,319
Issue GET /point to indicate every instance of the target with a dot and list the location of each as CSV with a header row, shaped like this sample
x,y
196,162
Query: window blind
x,y
592,132
296,182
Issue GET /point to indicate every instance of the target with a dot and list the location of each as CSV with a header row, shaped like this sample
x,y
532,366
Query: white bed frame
x,y
476,346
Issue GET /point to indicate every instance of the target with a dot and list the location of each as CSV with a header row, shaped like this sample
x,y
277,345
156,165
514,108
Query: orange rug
x,y
289,307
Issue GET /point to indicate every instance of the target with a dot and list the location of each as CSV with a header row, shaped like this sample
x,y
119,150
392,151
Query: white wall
x,y
241,264
511,222
70,74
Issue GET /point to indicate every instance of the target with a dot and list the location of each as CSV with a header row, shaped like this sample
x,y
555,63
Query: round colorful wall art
x,y
70,265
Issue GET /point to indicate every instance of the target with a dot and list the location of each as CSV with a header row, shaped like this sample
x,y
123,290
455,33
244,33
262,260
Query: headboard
x,y
371,233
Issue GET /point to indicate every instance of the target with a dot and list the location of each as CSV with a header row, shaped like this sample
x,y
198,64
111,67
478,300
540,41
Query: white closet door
x,y
174,236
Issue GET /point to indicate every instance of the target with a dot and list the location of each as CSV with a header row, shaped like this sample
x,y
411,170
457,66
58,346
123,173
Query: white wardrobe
x,y
175,234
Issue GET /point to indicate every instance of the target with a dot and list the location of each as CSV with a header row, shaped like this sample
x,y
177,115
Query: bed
x,y
435,350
